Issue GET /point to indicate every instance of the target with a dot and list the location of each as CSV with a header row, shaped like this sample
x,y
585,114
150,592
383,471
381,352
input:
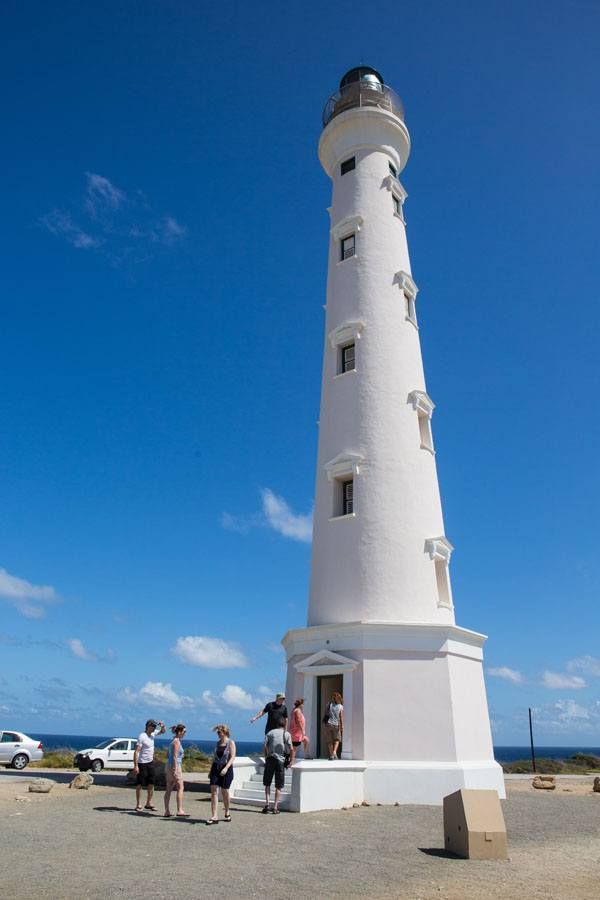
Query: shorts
x,y
274,767
218,780
332,733
296,743
146,774
174,779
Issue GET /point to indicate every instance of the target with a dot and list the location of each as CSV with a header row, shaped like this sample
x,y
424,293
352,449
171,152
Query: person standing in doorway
x,y
275,711
143,763
278,749
334,724
297,727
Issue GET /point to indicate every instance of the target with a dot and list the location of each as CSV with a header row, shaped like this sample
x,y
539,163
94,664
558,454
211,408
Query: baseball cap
x,y
280,696
151,723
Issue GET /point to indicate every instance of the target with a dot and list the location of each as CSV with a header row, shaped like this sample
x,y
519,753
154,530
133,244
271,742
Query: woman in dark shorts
x,y
221,773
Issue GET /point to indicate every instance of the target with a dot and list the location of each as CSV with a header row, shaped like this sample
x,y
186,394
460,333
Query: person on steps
x,y
278,750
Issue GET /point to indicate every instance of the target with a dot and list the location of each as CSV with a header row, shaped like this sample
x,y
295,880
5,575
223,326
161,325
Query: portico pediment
x,y
325,662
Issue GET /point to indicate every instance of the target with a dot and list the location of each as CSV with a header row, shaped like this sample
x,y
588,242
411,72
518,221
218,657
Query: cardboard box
x,y
474,825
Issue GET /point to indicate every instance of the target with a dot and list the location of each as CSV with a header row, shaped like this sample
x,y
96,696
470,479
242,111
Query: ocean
x,y
502,754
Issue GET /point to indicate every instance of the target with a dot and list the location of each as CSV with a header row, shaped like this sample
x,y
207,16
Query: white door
x,y
9,744
118,755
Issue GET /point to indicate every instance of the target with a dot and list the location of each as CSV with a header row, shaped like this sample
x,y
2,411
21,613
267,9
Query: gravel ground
x,y
91,844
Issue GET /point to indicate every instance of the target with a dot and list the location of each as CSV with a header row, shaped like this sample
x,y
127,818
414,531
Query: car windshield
x,y
104,744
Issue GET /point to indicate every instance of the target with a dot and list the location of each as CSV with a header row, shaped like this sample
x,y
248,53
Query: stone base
x,y
320,784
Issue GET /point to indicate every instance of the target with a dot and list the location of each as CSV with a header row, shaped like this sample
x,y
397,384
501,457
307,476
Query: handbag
x,y
325,718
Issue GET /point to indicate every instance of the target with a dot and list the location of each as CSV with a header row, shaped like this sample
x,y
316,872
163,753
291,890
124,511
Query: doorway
x,y
326,685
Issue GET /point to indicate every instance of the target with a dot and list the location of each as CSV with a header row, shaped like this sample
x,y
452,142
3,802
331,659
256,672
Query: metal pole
x,y
531,740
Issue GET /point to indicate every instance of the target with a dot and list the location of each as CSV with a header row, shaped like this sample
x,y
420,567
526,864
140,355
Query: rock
x,y
364,803
83,781
355,805
41,786
596,787
380,804
544,783
23,799
396,803
345,807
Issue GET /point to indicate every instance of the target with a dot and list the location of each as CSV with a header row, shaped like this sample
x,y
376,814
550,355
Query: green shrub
x,y
61,758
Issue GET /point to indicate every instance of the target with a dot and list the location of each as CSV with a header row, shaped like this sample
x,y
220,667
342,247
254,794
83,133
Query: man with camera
x,y
143,763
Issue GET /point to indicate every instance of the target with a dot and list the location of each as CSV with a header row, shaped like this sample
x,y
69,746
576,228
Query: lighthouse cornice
x,y
364,128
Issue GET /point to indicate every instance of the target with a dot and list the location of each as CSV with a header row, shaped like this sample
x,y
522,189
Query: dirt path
x,y
90,844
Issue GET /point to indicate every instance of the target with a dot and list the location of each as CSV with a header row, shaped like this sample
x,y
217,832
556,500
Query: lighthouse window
x,y
411,314
425,431
348,165
347,497
393,170
442,577
348,358
348,246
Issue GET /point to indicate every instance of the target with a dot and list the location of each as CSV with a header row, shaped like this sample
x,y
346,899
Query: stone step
x,y
257,798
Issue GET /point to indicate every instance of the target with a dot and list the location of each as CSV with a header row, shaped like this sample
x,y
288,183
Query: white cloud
x,y
507,674
101,193
569,710
210,702
588,664
274,648
29,599
558,681
209,653
281,519
61,224
120,226
236,696
156,693
79,650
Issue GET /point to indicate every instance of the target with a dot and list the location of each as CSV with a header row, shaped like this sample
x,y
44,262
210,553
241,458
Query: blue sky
x,y
164,266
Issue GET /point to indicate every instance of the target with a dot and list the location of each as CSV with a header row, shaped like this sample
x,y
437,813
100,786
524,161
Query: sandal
x,y
265,809
138,809
227,818
212,821
276,812
168,816
153,808
183,815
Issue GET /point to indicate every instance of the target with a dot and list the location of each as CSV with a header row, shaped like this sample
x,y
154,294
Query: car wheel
x,y
20,761
97,765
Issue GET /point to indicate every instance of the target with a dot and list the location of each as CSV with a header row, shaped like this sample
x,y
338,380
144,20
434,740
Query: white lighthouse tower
x,y
381,628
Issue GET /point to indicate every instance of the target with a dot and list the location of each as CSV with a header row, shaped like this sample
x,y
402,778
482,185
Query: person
x,y
278,745
297,727
274,711
221,773
143,763
174,774
334,724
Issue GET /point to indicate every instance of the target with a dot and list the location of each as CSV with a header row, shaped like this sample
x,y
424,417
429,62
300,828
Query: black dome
x,y
360,73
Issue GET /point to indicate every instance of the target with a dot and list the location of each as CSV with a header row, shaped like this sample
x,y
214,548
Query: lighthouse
x,y
381,626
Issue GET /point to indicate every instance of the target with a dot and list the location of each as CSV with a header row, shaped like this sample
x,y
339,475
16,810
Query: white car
x,y
117,753
17,750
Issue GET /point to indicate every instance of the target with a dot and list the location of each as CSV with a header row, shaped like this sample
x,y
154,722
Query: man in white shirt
x,y
143,763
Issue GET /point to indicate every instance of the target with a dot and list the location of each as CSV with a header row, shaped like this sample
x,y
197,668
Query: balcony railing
x,y
362,93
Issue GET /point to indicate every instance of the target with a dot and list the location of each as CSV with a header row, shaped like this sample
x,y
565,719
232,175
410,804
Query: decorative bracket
x,y
347,226
344,464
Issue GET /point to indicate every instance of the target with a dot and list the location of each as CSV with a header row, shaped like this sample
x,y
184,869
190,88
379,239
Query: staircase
x,y
252,792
